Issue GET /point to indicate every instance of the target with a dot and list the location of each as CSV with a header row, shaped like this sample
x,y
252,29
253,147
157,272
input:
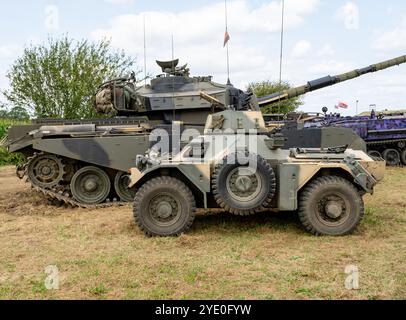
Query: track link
x,y
67,199
377,143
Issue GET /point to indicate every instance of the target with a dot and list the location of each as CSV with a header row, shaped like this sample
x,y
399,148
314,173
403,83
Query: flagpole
x,y
282,35
228,52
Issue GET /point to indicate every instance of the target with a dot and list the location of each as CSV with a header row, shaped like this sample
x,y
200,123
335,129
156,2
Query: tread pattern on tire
x,y
174,183
240,212
308,192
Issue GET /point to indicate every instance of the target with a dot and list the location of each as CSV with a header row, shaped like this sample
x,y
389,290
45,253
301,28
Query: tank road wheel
x,y
392,157
121,183
403,156
45,171
245,187
164,207
374,154
331,206
90,186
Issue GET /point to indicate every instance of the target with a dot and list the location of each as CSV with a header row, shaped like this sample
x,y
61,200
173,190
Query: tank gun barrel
x,y
328,81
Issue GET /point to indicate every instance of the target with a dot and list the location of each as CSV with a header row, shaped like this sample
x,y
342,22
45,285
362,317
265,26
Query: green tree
x,y
19,114
58,79
3,112
16,113
265,88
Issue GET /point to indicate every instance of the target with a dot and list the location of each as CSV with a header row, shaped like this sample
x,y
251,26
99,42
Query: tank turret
x,y
174,92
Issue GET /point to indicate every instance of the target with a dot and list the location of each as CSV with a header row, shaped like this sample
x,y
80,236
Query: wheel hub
x,y
90,185
164,210
334,210
46,170
243,184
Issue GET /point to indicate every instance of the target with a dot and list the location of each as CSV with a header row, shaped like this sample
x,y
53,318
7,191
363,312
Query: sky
x,y
322,37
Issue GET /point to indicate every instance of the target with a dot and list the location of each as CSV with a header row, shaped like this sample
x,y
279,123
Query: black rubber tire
x,y
403,157
225,200
176,189
315,192
125,194
389,160
97,199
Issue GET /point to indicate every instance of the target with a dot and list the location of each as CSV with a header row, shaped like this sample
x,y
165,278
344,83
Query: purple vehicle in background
x,y
385,134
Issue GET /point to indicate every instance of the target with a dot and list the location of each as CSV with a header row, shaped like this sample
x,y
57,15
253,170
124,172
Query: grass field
x,y
101,254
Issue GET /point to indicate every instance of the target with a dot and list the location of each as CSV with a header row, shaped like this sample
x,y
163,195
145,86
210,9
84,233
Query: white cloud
x,y
199,33
9,51
127,2
392,40
301,49
326,50
332,66
349,14
254,48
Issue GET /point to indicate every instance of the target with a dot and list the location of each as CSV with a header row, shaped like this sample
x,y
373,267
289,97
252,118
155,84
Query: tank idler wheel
x,y
164,207
46,171
90,186
403,157
374,154
244,184
392,157
121,183
331,206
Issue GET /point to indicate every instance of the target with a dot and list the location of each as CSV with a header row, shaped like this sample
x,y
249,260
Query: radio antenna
x,y
281,53
145,53
173,80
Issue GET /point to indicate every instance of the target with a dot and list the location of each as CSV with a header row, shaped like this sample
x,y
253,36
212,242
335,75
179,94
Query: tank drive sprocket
x,y
45,170
244,184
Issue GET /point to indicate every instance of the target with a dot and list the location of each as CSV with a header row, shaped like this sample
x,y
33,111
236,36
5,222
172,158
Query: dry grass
x,y
101,254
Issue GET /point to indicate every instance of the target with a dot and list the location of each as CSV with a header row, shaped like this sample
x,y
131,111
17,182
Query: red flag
x,y
342,105
226,38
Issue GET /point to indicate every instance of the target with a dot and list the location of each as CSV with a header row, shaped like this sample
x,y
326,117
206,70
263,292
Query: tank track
x,y
62,195
67,199
383,142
